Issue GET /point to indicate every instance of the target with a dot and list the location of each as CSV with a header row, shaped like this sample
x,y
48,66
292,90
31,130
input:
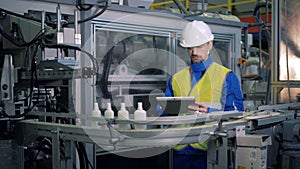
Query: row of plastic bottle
x,y
139,115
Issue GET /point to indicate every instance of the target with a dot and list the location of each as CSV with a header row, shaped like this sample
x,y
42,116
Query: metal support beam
x,y
55,149
217,153
275,50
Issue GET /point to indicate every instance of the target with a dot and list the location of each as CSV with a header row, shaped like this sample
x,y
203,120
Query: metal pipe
x,y
203,10
58,29
43,30
229,6
58,12
181,7
76,21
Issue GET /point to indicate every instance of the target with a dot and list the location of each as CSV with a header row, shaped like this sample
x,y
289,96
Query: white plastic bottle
x,y
109,113
123,114
96,113
140,115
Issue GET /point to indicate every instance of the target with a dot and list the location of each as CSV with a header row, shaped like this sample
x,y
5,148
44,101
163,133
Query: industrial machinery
x,y
63,60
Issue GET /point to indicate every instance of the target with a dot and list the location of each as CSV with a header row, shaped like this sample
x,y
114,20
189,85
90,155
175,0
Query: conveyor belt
x,y
170,130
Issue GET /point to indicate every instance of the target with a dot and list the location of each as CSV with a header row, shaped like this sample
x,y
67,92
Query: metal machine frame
x,y
219,129
168,25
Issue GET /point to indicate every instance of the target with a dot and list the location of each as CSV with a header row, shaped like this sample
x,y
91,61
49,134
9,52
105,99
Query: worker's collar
x,y
201,66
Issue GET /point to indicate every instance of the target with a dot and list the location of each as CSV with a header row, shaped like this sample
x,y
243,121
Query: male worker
x,y
207,81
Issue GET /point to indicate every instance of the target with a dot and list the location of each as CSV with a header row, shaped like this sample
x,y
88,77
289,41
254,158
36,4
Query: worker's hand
x,y
198,107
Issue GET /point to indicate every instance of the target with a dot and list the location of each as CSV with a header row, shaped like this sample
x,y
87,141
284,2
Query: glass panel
x,y
290,40
140,54
289,51
182,53
287,95
221,52
132,66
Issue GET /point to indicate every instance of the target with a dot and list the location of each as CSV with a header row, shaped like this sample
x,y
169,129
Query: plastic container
x,y
109,113
123,114
140,115
96,113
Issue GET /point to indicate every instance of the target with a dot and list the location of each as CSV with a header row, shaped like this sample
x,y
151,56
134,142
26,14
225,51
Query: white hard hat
x,y
195,34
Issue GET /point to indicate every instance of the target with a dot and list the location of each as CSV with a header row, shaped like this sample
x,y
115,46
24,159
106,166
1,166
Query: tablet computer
x,y
174,106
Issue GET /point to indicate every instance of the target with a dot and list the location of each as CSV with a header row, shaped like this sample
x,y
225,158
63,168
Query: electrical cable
x,y
30,96
48,100
26,56
4,114
37,86
19,15
91,17
181,7
94,16
256,11
37,40
53,25
33,72
34,80
93,59
83,7
105,73
23,44
82,160
86,157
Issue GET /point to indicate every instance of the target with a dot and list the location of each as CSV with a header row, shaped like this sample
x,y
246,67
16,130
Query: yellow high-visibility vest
x,y
208,89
